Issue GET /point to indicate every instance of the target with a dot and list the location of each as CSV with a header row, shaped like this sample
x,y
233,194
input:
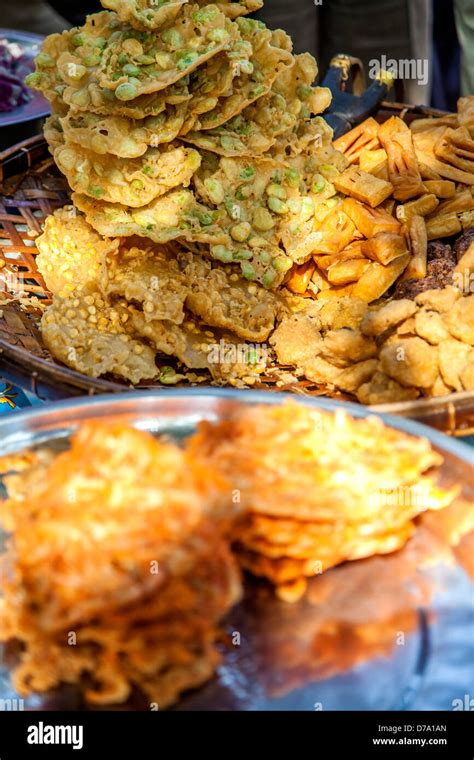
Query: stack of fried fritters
x,y
211,206
182,130
119,571
307,505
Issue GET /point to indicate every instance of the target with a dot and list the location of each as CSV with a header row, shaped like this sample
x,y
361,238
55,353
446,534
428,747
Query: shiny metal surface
x,y
337,651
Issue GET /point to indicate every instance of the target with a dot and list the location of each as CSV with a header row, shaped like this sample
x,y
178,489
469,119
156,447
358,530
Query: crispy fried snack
x,y
271,55
262,213
456,147
118,135
222,354
375,162
362,138
164,283
255,130
370,222
466,113
422,206
132,182
194,37
307,508
378,278
145,14
384,247
70,252
136,566
84,332
362,186
403,170
417,239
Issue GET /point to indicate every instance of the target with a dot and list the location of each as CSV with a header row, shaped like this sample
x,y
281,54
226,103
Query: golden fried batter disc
x,y
70,252
87,334
133,182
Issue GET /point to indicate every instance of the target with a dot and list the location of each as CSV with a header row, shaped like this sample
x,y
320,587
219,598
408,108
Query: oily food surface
x,y
143,570
191,132
143,589
305,507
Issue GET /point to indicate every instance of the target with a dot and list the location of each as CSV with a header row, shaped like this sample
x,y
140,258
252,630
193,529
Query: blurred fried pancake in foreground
x,y
116,545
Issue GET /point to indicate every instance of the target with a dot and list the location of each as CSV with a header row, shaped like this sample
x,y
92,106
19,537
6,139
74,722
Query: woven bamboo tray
x,y
31,190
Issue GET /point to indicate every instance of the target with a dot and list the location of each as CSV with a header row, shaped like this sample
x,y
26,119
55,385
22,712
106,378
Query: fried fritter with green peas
x,y
271,55
154,14
255,130
120,136
138,63
133,182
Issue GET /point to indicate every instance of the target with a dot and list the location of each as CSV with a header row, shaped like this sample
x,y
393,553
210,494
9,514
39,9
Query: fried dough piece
x,y
133,182
344,346
302,469
297,339
164,283
368,221
456,147
382,389
391,314
343,272
199,347
144,14
151,278
422,206
467,374
454,359
53,133
193,38
441,188
70,252
364,137
58,65
466,113
174,215
255,129
85,333
460,320
330,550
234,305
362,186
377,279
375,162
384,247
342,312
121,136
403,170
417,239
136,626
426,156
410,361
235,8
430,326
441,300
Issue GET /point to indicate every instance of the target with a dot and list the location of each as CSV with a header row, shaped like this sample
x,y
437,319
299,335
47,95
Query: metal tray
x,y
374,644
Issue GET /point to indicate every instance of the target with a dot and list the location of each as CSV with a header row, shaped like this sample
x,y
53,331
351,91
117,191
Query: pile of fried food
x,y
213,213
119,569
